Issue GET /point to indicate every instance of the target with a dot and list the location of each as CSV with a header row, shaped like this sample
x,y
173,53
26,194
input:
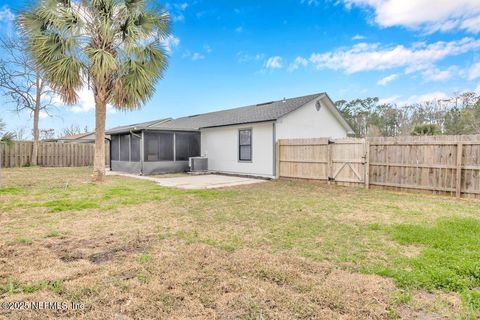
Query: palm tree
x,y
111,46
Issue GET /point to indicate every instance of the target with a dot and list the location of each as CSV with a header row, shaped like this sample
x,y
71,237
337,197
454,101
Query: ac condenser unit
x,y
198,164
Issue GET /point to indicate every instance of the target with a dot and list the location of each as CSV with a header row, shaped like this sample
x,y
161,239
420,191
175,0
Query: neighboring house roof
x,y
136,126
261,112
76,136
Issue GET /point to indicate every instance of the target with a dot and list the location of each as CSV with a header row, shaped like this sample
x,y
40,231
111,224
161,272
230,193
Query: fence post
x,y
367,164
277,159
459,170
329,161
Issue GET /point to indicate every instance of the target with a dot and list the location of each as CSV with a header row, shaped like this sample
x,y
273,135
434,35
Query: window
x,y
245,145
158,146
187,145
115,148
125,147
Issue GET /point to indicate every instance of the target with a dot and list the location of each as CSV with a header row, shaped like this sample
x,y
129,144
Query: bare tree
x,y
22,83
71,130
20,133
46,134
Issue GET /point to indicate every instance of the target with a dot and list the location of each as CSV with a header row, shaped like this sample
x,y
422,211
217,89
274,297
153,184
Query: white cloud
x,y
477,89
170,43
369,57
6,15
177,11
245,57
207,48
178,18
7,19
474,71
197,56
43,115
428,97
391,99
434,96
86,102
428,15
435,74
181,6
311,2
297,63
358,37
387,79
274,63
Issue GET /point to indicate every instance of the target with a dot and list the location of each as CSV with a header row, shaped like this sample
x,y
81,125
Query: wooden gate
x,y
348,161
341,160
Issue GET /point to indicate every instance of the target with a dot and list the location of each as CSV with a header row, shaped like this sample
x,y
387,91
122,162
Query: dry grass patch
x,y
185,281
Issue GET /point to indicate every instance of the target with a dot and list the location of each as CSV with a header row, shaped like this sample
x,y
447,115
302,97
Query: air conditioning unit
x,y
198,164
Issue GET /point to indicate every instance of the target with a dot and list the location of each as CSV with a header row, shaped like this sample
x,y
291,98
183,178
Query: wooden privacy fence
x,y
441,164
50,154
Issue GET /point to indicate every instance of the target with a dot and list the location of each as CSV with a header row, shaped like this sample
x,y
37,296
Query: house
x,y
237,141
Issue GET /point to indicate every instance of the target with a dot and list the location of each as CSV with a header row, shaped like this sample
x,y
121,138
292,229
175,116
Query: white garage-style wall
x,y
308,122
221,146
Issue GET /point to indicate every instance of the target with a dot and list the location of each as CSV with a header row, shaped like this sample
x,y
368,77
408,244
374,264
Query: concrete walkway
x,y
204,181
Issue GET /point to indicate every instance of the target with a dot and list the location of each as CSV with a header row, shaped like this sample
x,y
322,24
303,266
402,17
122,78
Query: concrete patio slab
x,y
204,181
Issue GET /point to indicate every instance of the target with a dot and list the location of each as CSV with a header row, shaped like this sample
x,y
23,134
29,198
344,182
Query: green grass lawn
x,y
281,249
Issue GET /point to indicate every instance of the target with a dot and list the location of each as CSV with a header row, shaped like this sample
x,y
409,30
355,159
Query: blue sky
x,y
225,54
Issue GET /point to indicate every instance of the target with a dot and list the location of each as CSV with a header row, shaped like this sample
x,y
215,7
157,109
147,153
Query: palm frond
x,y
115,44
103,63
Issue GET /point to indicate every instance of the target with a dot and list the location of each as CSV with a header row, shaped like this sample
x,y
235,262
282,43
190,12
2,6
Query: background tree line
x,y
459,114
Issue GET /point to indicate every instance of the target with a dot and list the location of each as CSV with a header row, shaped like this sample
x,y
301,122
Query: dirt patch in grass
x,y
97,250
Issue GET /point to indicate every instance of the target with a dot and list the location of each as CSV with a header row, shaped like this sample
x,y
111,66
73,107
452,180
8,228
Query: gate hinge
x,y
331,179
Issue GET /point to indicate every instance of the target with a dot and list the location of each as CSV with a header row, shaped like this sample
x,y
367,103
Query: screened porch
x,y
151,152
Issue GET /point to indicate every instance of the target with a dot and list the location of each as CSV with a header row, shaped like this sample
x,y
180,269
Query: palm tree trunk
x,y
99,160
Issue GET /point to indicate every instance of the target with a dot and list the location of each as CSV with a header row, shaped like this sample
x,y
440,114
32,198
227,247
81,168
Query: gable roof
x,y
262,112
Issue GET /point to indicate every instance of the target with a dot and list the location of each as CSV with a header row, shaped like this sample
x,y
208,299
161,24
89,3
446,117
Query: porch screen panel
x,y
166,147
115,148
151,146
125,147
158,146
135,148
187,145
